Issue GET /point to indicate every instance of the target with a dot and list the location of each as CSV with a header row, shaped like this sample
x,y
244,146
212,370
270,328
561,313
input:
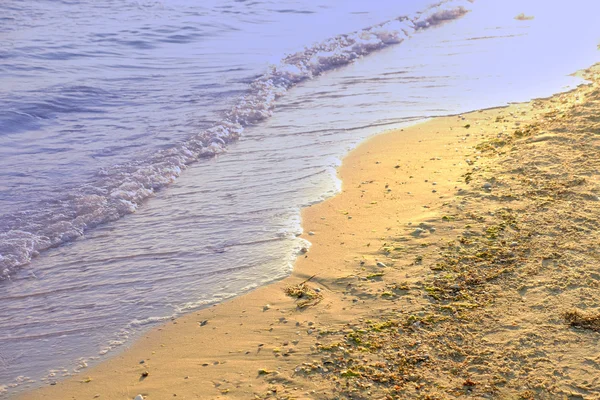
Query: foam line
x,y
121,189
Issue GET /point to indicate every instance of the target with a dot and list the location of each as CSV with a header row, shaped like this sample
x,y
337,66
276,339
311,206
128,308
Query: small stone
x,y
202,323
487,186
266,307
380,264
304,250
417,232
311,233
139,397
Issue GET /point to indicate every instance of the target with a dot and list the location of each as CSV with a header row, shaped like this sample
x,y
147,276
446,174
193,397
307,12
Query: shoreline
x,y
403,193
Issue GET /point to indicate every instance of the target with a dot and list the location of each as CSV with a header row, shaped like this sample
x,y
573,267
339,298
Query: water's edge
x,y
122,189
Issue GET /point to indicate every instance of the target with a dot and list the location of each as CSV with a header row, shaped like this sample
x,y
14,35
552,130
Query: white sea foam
x,y
121,189
150,320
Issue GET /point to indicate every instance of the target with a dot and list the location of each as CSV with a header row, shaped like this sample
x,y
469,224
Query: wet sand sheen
x,y
371,266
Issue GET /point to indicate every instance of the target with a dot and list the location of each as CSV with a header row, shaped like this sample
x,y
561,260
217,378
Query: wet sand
x,y
460,260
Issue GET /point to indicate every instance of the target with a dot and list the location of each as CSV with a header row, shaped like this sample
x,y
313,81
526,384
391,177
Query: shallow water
x,y
150,76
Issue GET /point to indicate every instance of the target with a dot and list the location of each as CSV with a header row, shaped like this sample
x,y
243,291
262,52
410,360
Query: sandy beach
x,y
460,260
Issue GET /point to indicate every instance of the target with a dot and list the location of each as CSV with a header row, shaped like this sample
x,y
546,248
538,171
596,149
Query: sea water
x,y
155,155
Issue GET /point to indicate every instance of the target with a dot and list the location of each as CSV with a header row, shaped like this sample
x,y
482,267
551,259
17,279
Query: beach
x,y
156,155
459,260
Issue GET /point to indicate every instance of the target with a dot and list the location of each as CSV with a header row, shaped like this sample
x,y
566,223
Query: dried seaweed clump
x,y
306,295
580,320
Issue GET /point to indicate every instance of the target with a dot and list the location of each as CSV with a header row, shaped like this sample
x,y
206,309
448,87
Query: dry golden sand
x,y
452,265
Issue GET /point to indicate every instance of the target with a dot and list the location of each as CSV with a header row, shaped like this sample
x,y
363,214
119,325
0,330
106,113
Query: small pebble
x,y
380,264
418,232
139,397
311,233
487,185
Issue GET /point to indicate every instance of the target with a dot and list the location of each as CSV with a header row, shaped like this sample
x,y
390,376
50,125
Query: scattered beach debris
x,y
578,319
264,371
523,17
306,295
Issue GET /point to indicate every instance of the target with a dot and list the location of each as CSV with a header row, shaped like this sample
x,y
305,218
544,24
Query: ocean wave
x,y
121,189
